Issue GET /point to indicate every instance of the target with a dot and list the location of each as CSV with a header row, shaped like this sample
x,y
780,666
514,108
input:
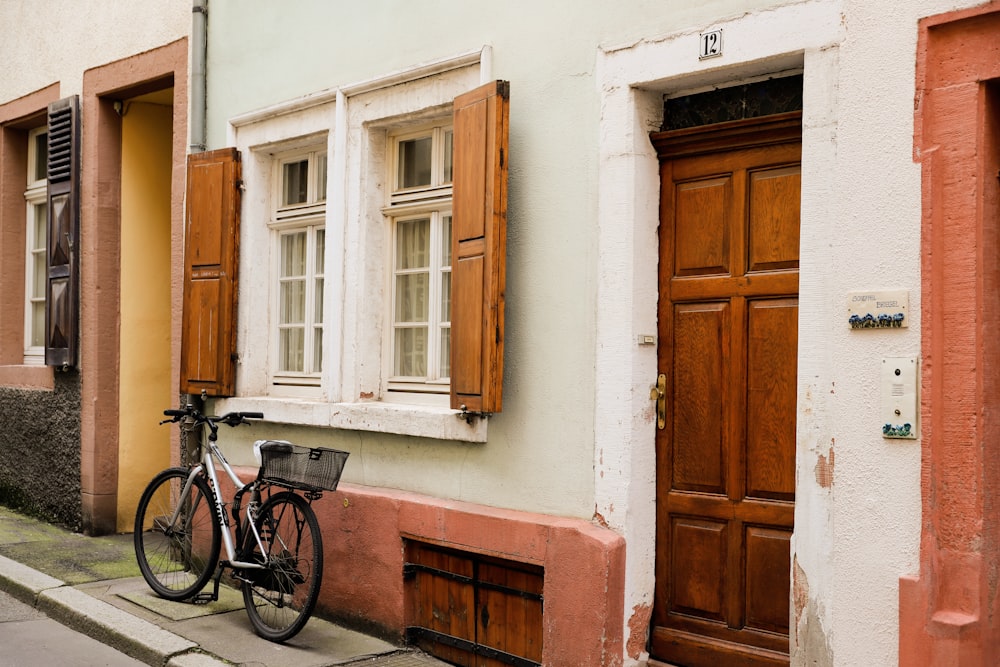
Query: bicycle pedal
x,y
204,598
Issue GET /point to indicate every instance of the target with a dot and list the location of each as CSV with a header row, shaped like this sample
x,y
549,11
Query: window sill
x,y
416,420
28,377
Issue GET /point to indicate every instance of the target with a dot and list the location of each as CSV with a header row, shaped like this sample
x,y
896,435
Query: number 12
x,y
710,44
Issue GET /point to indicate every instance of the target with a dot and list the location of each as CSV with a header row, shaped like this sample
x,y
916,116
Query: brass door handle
x,y
658,393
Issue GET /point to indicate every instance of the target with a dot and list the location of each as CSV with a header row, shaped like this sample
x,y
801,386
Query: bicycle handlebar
x,y
230,418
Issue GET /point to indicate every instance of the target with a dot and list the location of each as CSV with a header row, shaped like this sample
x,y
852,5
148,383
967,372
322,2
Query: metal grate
x,y
751,100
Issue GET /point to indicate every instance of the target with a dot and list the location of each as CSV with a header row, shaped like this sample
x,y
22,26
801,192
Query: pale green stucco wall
x,y
541,452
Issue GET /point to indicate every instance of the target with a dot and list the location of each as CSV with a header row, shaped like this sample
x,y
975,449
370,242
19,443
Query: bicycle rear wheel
x,y
177,557
280,598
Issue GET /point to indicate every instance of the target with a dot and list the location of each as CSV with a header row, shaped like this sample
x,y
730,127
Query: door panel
x,y
697,463
698,576
773,329
767,578
773,227
728,326
702,240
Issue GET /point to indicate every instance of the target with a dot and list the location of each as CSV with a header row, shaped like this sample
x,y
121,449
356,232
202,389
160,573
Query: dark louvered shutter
x,y
62,303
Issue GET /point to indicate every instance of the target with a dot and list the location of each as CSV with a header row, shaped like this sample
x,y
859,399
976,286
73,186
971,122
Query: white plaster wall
x,y
876,509
540,451
48,41
860,231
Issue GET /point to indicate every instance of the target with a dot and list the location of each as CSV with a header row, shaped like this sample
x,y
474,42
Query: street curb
x,y
106,623
197,660
112,626
23,582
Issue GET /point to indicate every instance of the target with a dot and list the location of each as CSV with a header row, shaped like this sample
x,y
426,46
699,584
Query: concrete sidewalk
x,y
93,585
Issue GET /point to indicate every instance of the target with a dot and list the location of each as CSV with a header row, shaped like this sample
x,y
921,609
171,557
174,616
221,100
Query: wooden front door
x,y
728,334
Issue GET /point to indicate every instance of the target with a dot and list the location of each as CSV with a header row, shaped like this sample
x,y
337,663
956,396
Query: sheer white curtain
x,y
412,291
292,306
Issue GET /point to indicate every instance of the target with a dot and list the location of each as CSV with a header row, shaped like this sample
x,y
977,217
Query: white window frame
x,y
431,202
307,217
35,250
353,122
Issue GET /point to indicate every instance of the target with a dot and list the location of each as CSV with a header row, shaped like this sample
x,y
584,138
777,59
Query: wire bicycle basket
x,y
302,468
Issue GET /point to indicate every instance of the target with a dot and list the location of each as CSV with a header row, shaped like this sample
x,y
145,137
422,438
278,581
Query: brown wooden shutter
x,y
62,302
211,254
479,245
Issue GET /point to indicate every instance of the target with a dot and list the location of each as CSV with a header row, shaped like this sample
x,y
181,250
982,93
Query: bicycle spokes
x,y
280,596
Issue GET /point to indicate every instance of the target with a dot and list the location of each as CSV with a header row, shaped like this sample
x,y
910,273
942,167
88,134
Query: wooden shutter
x,y
62,303
211,254
479,245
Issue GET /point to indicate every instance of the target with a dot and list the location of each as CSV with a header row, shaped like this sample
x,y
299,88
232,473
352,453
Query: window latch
x,y
470,417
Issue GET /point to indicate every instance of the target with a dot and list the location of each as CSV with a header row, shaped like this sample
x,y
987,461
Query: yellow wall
x,y
144,390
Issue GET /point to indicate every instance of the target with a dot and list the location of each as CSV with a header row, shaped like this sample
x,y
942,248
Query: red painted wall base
x,y
364,529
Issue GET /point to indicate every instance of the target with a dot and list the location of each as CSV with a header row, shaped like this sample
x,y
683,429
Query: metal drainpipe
x,y
199,50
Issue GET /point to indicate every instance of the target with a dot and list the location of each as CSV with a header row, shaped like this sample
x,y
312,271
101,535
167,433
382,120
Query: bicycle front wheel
x,y
176,535
280,598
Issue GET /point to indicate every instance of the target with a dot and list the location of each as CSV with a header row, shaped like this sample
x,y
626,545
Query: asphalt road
x,y
30,639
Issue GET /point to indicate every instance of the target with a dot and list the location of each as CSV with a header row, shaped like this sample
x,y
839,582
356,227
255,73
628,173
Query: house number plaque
x,y
710,44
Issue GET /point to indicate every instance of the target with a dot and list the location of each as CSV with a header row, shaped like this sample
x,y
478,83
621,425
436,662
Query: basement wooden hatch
x,y
473,610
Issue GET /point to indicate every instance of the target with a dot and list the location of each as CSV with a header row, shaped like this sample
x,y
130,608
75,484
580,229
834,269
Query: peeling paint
x,y
810,644
599,518
800,592
824,468
367,395
638,628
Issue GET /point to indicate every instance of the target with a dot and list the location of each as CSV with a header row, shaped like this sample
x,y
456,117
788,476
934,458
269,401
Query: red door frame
x,y
950,611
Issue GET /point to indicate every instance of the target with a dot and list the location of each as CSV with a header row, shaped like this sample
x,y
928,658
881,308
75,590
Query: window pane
x,y
293,255
317,350
41,156
446,240
411,297
413,244
448,149
445,370
293,302
291,348
321,177
414,163
318,302
38,324
39,276
411,352
295,182
40,227
446,296
320,250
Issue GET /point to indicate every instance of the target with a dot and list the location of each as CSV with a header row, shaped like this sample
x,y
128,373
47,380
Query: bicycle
x,y
276,555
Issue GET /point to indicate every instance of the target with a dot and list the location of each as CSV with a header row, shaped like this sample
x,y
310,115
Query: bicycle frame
x,y
208,465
